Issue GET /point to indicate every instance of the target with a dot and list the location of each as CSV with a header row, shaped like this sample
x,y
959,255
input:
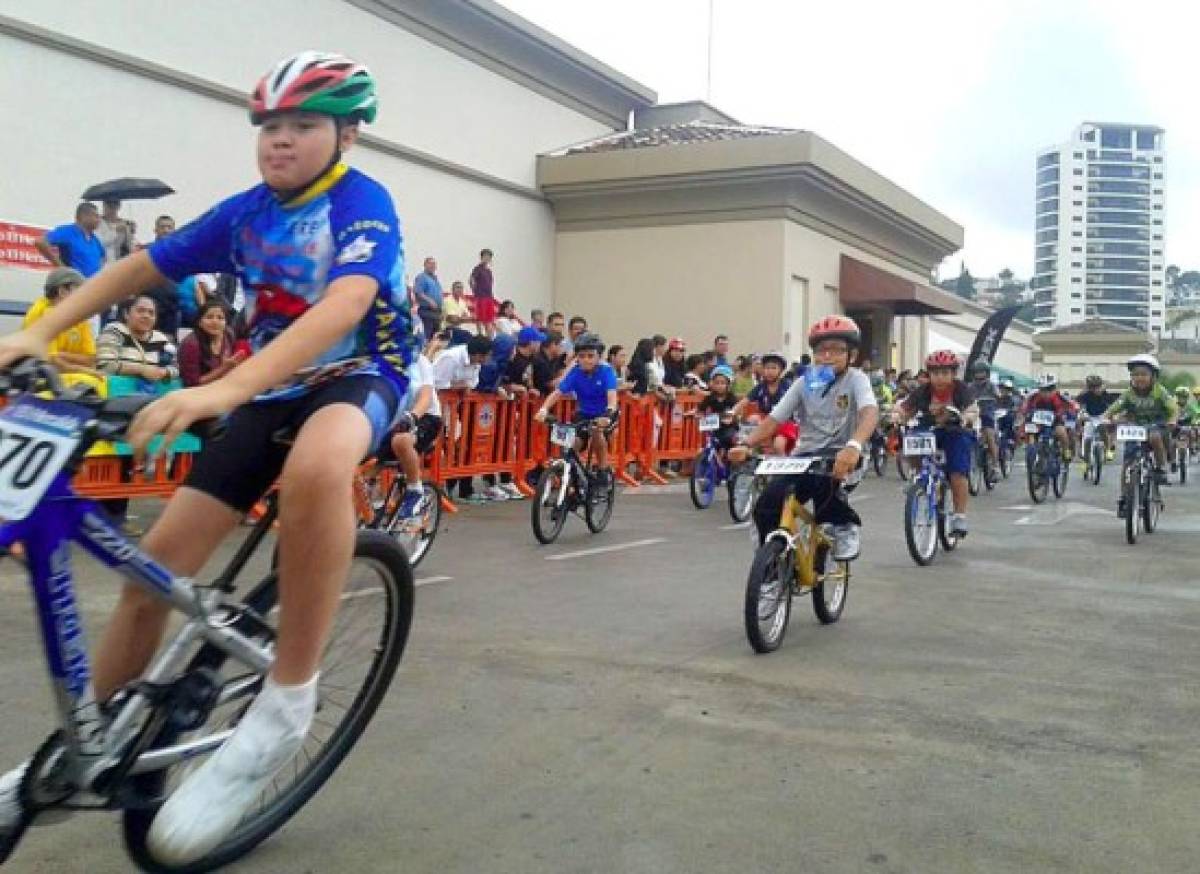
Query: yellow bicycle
x,y
795,559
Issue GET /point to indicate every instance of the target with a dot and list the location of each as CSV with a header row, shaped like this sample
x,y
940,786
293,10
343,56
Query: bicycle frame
x,y
793,522
94,742
931,478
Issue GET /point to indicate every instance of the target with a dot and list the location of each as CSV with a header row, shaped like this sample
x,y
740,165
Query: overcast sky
x,y
951,100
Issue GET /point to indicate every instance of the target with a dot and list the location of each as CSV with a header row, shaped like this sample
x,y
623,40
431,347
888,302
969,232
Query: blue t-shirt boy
x,y
590,388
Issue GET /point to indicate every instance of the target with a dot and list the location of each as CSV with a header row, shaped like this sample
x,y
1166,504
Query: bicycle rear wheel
x,y
1151,505
598,510
948,538
1005,458
1060,480
879,458
357,667
975,474
768,597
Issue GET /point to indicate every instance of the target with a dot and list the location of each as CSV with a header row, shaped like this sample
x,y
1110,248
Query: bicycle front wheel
x,y
357,666
833,584
548,510
702,483
741,495
1035,472
768,597
920,527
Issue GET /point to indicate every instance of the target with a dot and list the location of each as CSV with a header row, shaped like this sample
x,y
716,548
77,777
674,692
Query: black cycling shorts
x,y
239,466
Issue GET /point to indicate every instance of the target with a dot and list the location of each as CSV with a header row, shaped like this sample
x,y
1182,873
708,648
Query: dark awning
x,y
865,286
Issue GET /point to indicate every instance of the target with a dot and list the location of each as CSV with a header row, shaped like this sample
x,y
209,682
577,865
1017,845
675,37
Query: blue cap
x,y
530,334
722,370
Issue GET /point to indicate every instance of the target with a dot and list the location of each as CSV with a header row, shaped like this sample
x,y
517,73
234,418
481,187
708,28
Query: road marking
x,y
426,581
738,526
616,547
377,590
1055,513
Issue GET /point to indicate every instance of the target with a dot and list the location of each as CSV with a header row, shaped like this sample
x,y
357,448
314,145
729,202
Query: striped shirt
x,y
117,347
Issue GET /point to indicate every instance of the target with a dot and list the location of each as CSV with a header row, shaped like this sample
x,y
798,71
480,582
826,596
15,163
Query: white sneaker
x,y
210,804
11,811
958,524
847,541
495,493
514,493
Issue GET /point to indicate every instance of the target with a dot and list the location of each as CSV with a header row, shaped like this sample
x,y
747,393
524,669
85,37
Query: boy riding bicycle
x,y
317,247
1147,402
594,385
934,400
836,409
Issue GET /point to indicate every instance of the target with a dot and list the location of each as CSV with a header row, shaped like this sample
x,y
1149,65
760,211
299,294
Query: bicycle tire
x,y
597,513
1150,507
770,565
948,539
902,466
1064,473
398,592
549,484
1005,459
914,496
1035,475
974,475
741,496
700,483
1182,460
879,459
389,521
829,605
1133,515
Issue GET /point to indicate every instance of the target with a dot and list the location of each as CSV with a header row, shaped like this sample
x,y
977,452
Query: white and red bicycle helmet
x,y
835,328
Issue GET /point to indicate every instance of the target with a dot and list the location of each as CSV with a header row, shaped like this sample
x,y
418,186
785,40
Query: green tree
x,y
1005,276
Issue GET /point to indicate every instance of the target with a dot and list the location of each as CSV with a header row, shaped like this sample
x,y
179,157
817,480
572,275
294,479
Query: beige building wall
x,y
1016,349
628,282
455,143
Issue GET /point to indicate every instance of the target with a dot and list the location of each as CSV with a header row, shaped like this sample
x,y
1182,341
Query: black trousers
x,y
829,502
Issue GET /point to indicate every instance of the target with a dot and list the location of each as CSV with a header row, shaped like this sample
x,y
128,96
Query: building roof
x,y
1091,327
684,134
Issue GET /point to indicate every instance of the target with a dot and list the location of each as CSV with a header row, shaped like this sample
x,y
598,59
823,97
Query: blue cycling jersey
x,y
287,255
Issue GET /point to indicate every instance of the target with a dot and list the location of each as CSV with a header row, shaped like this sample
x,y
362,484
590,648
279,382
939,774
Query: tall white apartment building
x,y
1099,227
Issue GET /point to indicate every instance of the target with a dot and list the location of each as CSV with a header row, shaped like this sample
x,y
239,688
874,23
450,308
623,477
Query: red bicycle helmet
x,y
677,343
835,328
942,358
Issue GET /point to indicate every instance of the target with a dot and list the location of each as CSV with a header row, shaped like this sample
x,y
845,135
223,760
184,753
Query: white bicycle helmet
x,y
1144,360
1047,380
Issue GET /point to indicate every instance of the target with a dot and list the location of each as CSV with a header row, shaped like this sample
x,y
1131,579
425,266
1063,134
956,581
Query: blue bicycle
x,y
710,470
927,497
1045,465
130,751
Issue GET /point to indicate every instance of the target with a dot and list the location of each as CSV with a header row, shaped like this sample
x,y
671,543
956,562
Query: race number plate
x,y
562,435
1043,417
36,439
777,465
1031,428
920,444
1134,433
710,423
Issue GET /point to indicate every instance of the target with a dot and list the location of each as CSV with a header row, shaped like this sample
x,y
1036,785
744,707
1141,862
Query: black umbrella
x,y
128,189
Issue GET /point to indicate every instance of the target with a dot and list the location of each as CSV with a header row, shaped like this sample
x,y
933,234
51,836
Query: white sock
x,y
275,724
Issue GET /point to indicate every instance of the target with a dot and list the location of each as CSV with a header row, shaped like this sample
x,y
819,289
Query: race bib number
x,y
1043,417
36,439
1031,428
1089,429
562,435
1131,433
779,465
1070,423
920,444
710,423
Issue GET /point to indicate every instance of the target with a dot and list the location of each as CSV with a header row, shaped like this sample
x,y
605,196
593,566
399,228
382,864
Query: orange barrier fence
x,y
483,434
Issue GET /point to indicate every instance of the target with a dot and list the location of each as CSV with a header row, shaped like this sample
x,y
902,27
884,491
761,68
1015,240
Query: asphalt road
x,y
1027,703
